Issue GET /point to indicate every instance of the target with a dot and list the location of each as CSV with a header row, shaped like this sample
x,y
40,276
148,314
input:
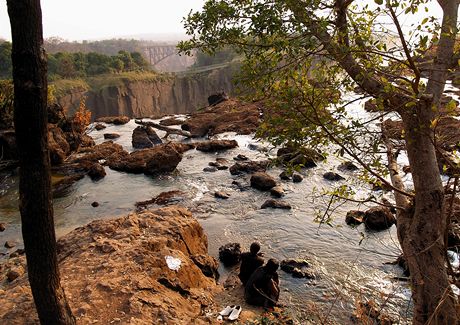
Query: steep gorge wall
x,y
166,95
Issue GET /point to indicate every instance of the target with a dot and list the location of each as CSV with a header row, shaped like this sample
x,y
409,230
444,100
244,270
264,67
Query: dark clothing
x,y
249,263
262,288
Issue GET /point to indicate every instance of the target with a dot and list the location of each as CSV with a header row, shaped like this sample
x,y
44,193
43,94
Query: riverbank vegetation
x,y
70,65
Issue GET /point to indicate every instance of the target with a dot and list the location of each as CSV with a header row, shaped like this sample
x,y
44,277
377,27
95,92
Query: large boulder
x,y
262,181
248,167
117,120
160,159
145,268
145,137
101,151
216,145
217,98
227,116
304,157
379,218
230,254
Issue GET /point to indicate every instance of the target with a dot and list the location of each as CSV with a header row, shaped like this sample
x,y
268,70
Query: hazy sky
x,y
96,19
102,19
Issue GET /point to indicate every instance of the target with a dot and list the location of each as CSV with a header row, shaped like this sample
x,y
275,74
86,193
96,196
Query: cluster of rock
x,y
117,271
376,218
230,255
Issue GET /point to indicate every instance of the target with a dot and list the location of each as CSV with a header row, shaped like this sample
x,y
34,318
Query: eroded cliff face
x,y
166,95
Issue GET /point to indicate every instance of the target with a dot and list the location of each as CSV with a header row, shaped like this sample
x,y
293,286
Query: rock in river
x,y
230,254
144,137
276,204
379,218
262,181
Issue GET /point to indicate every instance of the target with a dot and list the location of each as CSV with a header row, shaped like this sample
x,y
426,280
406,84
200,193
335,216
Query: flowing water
x,y
347,261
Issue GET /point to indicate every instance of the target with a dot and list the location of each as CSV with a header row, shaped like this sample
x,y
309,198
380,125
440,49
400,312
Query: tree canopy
x,y
303,58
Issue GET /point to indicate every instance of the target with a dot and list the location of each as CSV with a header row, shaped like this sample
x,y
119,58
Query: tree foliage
x,y
79,64
303,58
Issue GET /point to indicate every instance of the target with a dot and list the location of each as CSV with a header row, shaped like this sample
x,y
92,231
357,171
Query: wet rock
x,y
96,172
9,244
303,156
217,165
95,204
333,177
111,136
15,273
181,147
277,191
217,98
221,195
276,204
58,146
2,227
17,253
297,178
164,161
230,254
347,166
101,151
299,268
157,160
216,145
164,198
285,176
144,137
228,116
62,187
171,121
117,120
240,157
379,218
354,217
210,169
248,167
402,263
240,186
262,181
99,126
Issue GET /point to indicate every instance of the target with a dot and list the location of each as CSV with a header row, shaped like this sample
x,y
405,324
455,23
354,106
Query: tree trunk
x,y
30,118
421,230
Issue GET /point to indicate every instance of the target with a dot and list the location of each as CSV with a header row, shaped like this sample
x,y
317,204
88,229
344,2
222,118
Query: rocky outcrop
x,y
248,167
145,137
146,268
160,159
216,145
157,96
116,120
228,116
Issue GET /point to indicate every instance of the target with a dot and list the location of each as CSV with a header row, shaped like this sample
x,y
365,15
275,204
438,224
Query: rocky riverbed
x,y
232,187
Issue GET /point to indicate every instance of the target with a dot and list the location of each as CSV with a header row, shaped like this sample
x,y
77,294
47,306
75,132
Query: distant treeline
x,y
79,64
222,56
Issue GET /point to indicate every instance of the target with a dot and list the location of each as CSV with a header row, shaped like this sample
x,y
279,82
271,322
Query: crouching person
x,y
250,261
262,288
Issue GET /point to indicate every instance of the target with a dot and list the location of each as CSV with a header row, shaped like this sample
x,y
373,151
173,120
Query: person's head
x,y
255,248
272,265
